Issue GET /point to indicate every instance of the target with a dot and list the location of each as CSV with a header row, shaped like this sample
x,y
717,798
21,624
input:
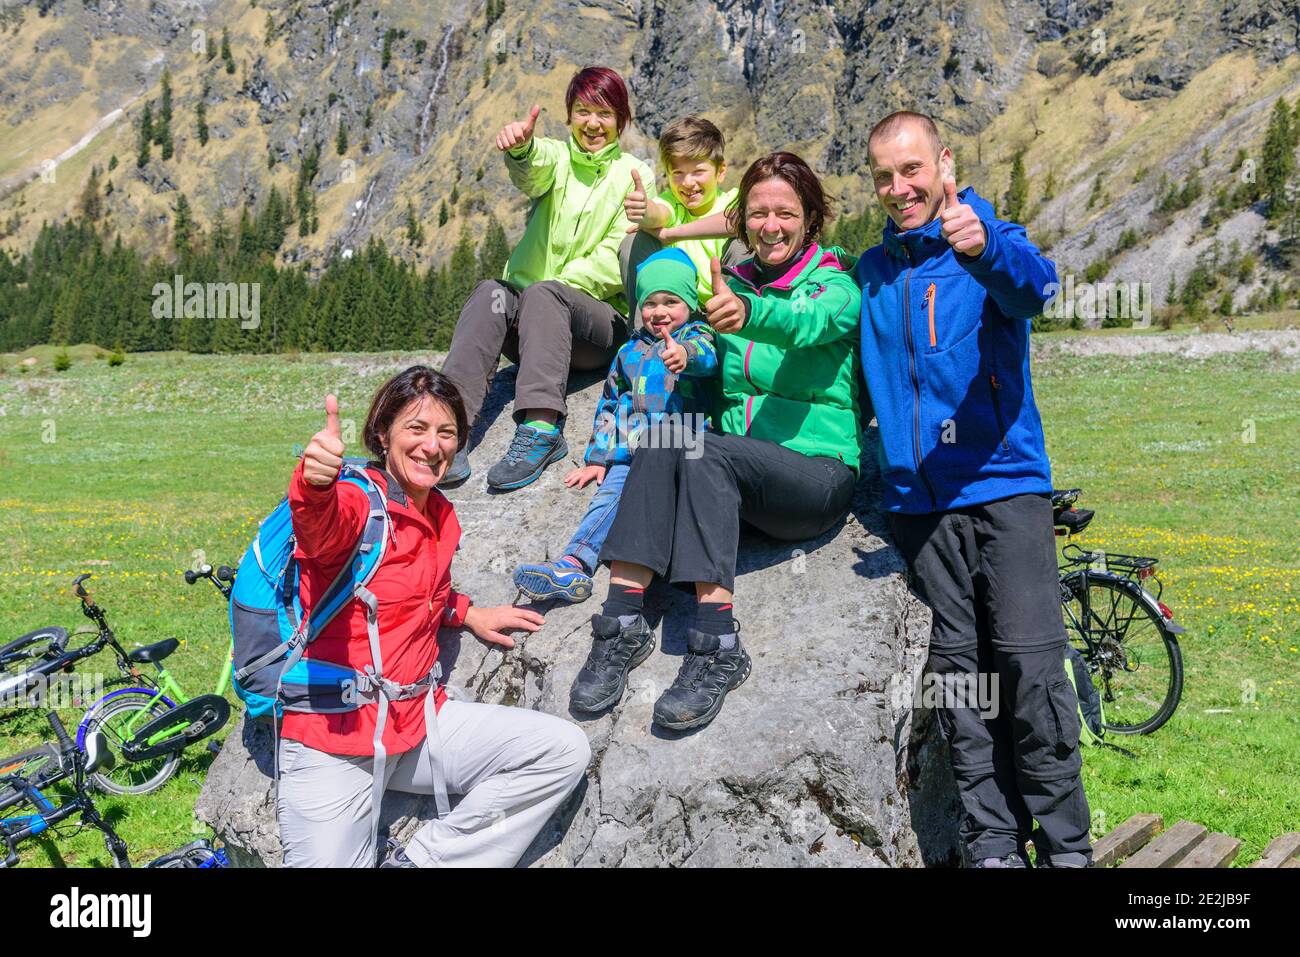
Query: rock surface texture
x,y
818,759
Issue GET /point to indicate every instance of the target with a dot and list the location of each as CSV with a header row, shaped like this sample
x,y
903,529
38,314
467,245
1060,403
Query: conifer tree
x,y
1018,191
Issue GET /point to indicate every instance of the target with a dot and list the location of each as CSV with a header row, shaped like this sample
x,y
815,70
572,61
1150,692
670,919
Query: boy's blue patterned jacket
x,y
639,390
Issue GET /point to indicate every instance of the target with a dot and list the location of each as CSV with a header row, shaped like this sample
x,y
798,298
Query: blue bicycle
x,y
25,778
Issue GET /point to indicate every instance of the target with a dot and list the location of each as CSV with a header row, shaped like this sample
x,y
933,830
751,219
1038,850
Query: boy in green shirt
x,y
691,214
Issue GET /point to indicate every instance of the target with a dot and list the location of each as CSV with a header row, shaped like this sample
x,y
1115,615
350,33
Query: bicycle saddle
x,y
152,654
1073,519
99,757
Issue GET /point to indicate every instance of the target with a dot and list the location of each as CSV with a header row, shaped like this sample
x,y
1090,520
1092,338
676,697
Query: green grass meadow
x,y
134,473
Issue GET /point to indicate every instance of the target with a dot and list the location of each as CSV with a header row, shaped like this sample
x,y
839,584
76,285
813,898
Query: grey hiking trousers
x,y
549,328
514,767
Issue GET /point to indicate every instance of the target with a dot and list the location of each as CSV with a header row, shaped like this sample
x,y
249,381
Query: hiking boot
x,y
1016,860
457,472
396,856
529,453
545,580
706,675
615,650
1069,859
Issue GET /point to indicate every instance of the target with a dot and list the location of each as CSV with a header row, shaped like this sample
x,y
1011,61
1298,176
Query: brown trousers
x,y
548,328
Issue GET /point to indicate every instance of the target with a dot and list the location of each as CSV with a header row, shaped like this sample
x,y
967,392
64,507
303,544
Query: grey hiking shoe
x,y
615,650
457,472
529,453
707,673
1014,860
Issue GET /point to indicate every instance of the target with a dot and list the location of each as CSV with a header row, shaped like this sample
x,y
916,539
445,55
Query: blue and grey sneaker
x,y
458,471
395,856
529,453
541,581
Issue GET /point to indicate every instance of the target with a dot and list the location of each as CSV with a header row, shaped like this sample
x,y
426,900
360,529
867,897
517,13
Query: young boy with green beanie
x,y
655,379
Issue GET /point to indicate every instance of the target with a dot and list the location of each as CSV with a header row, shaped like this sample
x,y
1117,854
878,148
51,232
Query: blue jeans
x,y
595,525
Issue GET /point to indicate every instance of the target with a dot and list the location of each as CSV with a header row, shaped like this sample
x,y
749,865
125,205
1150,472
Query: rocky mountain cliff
x,y
1108,101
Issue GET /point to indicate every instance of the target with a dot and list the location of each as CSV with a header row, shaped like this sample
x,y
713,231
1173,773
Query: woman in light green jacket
x,y
559,305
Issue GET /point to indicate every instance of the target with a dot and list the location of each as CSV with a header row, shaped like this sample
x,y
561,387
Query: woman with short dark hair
x,y
559,305
513,765
784,458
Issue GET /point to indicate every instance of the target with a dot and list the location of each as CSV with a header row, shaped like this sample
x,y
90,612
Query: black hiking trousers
x,y
989,574
681,507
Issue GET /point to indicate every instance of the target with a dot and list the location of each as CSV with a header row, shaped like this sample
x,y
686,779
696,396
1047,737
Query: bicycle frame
x,y
1090,622
165,690
155,695
73,762
157,691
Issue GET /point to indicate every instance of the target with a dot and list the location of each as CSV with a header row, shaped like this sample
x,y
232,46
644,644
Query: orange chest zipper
x,y
929,302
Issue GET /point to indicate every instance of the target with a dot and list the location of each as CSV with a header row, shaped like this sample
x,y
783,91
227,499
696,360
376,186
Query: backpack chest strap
x,y
369,685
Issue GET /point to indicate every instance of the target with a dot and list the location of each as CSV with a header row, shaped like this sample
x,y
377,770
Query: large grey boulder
x,y
818,759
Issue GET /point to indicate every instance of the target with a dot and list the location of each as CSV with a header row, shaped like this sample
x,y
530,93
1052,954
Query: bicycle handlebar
x,y
61,733
223,573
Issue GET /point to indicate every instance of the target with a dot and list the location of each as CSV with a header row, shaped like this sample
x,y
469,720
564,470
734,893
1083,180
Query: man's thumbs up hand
x,y
634,203
724,310
961,227
323,456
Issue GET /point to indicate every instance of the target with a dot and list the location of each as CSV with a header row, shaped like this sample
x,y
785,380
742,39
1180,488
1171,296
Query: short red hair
x,y
599,85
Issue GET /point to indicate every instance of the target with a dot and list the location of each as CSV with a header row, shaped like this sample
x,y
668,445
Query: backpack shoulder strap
x,y
363,560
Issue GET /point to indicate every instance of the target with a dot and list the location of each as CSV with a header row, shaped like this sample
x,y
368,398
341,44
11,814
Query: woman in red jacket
x,y
513,766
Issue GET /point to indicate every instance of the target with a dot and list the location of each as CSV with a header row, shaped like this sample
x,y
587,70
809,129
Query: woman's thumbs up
x,y
323,457
724,310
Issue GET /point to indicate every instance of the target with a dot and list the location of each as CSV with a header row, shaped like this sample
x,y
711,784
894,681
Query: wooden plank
x,y
1280,851
1170,847
1294,862
1125,839
1217,850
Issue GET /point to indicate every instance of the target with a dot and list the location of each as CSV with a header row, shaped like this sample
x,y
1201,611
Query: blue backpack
x,y
271,629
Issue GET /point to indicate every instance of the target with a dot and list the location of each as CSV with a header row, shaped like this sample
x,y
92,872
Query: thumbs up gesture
x,y
634,203
674,352
323,456
960,226
515,135
724,310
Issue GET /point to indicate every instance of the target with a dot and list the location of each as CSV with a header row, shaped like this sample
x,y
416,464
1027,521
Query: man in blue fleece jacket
x,y
946,302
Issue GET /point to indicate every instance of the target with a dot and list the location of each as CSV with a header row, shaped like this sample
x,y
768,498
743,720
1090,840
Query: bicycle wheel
x,y
15,654
1134,659
130,777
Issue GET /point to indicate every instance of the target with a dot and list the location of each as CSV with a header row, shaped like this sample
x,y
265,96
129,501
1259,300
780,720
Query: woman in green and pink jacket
x,y
784,457
559,305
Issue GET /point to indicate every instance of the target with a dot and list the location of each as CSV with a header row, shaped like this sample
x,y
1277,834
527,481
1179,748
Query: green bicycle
x,y
149,724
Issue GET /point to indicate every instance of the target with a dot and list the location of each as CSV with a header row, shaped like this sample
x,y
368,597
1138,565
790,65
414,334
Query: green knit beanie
x,y
669,270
